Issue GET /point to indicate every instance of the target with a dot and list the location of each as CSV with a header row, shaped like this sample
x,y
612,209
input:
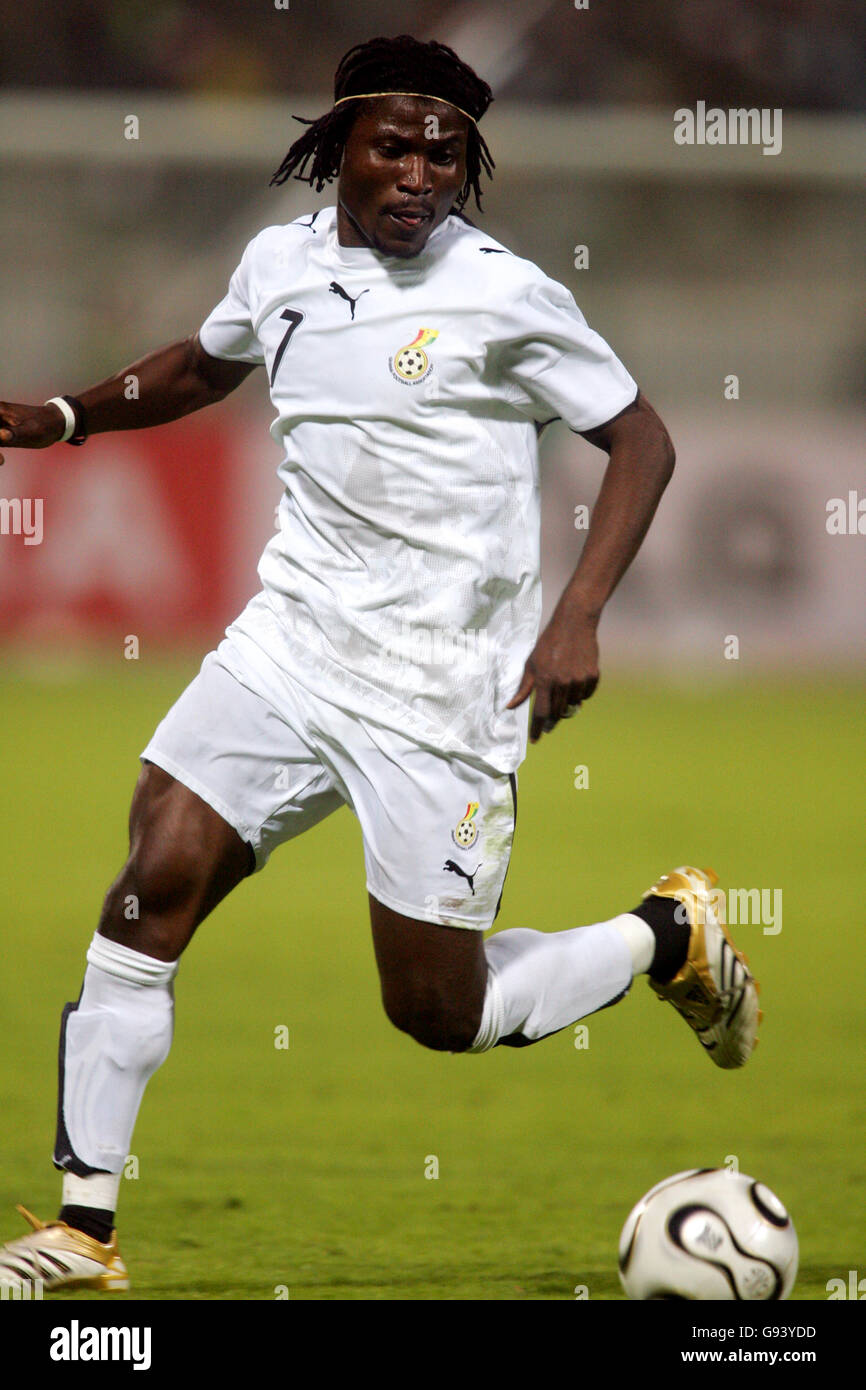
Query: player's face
x,y
400,174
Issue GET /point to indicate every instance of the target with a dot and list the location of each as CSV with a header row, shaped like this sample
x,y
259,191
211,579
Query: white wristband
x,y
68,415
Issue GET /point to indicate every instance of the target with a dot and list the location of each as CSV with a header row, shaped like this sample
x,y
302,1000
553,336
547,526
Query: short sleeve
x,y
228,330
558,365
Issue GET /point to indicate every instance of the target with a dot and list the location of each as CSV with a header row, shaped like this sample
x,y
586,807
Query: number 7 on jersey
x,y
295,317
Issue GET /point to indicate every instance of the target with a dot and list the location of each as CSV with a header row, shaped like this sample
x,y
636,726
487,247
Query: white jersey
x,y
403,580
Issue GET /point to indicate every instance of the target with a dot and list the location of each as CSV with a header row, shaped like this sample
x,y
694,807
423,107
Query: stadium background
x,y
703,263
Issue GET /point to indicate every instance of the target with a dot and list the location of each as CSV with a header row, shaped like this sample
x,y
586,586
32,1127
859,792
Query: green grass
x,y
305,1168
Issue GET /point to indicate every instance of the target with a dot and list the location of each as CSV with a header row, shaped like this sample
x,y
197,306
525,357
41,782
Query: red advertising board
x,y
136,532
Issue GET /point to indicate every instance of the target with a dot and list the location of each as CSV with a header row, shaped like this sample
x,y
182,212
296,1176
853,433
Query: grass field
x,y
305,1168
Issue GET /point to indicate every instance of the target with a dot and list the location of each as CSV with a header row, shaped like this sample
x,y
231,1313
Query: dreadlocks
x,y
401,65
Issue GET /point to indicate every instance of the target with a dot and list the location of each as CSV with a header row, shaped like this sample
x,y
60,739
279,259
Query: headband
x,y
426,95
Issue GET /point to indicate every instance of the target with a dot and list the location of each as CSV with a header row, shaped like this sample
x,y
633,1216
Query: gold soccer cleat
x,y
714,991
56,1256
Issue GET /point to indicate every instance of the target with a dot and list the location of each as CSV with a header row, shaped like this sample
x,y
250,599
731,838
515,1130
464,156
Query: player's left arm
x,y
562,669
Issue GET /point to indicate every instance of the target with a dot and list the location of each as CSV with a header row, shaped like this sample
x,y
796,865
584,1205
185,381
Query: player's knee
x,y
166,870
433,1021
158,888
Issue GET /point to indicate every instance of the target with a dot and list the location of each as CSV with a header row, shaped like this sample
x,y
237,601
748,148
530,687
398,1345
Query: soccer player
x,y
389,657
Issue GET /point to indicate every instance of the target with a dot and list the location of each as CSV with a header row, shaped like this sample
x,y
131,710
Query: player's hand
x,y
30,426
562,670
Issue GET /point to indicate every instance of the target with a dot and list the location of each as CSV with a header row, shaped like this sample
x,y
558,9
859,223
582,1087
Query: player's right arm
x,y
170,382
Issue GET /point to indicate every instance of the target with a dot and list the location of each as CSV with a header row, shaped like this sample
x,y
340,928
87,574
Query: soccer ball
x,y
465,834
708,1234
411,363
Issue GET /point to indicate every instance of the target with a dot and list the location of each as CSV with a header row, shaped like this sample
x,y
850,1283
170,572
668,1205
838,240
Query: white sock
x,y
97,1191
539,982
111,1043
640,939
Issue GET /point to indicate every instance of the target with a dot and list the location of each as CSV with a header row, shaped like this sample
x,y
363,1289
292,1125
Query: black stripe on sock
x,y
672,936
93,1221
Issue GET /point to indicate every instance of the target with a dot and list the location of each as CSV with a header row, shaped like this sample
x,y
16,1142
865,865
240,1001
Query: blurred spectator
x,y
791,53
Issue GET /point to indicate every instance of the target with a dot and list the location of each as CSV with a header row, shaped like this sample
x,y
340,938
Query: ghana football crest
x,y
465,832
410,364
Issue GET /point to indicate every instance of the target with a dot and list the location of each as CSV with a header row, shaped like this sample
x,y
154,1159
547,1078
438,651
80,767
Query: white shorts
x,y
273,759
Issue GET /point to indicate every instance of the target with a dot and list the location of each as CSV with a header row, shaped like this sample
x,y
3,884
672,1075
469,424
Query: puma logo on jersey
x,y
450,867
338,289
310,223
492,251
